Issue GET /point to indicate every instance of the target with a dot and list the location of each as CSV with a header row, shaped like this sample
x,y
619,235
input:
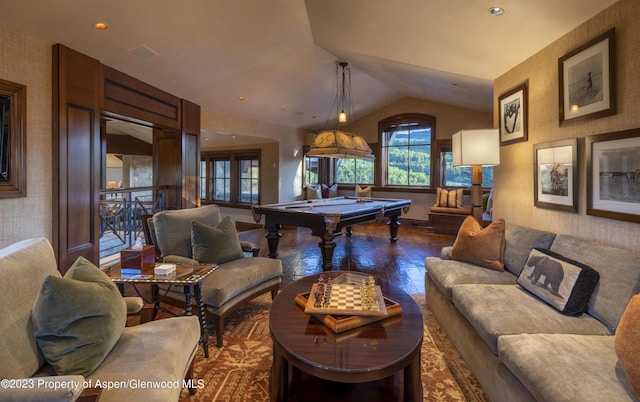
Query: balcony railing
x,y
121,212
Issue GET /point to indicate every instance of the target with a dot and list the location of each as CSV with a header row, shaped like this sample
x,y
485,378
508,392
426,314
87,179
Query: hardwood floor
x,y
368,250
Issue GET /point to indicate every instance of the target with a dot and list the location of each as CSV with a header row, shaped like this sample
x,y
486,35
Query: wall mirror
x,y
13,153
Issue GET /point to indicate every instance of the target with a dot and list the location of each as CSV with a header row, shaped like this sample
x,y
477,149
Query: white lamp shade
x,y
476,147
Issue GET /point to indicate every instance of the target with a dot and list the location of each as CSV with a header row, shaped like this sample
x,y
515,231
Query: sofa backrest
x,y
619,275
173,228
23,268
519,240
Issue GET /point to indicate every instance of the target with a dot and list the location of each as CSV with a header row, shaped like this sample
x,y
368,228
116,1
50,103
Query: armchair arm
x,y
176,259
249,247
134,304
445,253
46,389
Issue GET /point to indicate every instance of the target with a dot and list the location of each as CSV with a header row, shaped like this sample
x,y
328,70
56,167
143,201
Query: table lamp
x,y
475,149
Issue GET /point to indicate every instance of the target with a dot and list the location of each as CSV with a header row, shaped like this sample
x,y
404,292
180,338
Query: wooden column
x,y
476,192
76,157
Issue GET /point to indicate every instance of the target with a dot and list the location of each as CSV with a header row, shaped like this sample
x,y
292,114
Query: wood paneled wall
x,y
83,91
76,156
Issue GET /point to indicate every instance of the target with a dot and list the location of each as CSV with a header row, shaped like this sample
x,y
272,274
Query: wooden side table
x,y
188,276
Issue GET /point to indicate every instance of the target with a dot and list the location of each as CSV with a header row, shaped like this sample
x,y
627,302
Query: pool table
x,y
326,217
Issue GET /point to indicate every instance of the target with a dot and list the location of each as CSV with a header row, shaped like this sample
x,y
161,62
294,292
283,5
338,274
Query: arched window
x,y
406,142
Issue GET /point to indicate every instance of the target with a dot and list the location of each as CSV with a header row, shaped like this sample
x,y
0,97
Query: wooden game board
x,y
346,300
342,323
346,311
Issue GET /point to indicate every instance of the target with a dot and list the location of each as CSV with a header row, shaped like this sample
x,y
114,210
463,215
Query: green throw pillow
x,y
215,244
78,318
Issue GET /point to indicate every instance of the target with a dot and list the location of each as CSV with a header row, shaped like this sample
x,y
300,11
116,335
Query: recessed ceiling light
x,y
101,26
242,98
496,11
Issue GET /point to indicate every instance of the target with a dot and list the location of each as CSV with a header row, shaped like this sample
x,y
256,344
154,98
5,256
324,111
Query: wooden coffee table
x,y
311,362
188,276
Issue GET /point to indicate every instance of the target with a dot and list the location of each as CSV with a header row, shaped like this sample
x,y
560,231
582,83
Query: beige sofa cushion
x,y
237,276
157,351
23,267
563,367
496,310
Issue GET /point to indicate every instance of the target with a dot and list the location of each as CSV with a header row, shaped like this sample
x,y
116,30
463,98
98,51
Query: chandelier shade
x,y
338,144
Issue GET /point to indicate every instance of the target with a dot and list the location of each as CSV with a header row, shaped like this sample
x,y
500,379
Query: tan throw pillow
x,y
626,343
363,191
484,247
314,192
448,198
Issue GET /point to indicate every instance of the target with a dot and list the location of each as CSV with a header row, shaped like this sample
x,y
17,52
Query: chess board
x,y
345,300
343,323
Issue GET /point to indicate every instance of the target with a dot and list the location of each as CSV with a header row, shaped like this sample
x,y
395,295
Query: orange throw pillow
x,y
484,247
626,343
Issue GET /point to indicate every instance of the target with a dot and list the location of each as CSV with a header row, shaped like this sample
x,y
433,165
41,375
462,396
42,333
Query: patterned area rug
x,y
239,371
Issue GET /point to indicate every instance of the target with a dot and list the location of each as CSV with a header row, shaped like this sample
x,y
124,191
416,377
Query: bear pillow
x,y
564,284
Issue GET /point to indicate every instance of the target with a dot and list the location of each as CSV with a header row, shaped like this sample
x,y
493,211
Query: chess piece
x,y
372,295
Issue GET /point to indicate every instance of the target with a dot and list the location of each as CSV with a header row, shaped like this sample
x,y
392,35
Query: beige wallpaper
x,y
283,160
27,61
449,119
514,196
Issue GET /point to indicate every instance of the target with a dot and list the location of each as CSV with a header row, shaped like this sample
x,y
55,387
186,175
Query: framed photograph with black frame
x,y
613,175
513,115
586,79
555,175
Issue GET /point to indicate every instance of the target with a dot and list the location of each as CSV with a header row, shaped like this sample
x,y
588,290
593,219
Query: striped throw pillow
x,y
448,198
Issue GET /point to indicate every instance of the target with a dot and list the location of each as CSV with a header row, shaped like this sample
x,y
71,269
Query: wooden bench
x,y
447,220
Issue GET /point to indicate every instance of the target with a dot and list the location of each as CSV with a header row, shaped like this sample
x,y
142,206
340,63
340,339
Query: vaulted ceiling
x,y
280,54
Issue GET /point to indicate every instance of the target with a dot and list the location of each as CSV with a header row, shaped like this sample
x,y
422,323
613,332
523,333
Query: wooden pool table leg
x,y
273,237
393,227
326,247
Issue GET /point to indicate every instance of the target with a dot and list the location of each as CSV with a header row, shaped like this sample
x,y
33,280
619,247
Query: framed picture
x,y
555,177
613,175
587,80
513,115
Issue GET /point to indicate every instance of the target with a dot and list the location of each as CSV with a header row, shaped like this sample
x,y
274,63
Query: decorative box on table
x,y
135,258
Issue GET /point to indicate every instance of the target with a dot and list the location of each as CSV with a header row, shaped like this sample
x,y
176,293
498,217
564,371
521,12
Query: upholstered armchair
x,y
200,235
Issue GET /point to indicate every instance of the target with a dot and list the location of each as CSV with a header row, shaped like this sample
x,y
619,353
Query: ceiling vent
x,y
144,52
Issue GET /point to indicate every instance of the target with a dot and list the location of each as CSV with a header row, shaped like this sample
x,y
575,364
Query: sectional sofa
x,y
521,348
